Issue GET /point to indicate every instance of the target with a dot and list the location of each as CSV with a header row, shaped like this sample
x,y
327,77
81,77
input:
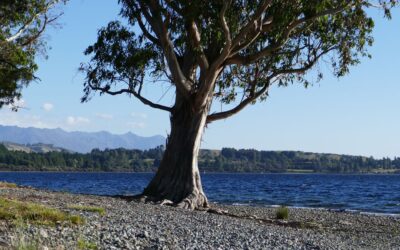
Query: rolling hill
x,y
81,142
32,148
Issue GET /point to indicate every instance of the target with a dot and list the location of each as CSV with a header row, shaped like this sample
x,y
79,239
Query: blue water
x,y
367,193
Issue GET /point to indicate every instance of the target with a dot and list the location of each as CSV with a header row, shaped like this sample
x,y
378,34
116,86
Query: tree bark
x,y
178,178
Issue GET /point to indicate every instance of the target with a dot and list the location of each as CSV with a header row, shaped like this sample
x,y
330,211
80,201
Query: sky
x,y
357,114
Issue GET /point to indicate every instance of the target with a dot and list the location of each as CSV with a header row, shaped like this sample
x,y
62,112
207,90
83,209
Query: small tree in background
x,y
22,24
226,51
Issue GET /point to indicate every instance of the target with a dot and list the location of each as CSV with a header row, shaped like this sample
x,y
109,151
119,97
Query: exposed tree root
x,y
190,202
194,201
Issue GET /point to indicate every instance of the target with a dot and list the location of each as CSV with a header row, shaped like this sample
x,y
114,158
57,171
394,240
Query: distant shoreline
x,y
132,172
226,160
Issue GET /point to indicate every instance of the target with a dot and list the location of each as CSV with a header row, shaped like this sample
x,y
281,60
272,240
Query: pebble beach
x,y
133,225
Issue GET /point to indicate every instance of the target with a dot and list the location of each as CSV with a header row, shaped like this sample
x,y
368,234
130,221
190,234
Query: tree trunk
x,y
178,178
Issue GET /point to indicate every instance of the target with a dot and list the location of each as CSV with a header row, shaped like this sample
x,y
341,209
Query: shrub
x,y
282,213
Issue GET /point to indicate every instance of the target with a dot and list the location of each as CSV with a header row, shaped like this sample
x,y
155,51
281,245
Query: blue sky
x,y
357,114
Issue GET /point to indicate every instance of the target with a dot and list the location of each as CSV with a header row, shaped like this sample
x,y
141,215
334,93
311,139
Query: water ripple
x,y
367,193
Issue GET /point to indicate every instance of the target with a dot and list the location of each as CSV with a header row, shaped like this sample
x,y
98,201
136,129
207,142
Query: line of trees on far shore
x,y
225,160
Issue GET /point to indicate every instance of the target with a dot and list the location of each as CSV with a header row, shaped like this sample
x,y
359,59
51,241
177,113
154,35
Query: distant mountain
x,y
32,148
82,142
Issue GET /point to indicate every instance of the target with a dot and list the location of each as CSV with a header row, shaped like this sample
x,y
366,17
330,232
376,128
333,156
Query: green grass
x,y
7,185
92,209
23,245
85,245
16,211
282,213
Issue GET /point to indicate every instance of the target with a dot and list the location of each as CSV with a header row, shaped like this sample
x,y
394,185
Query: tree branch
x,y
194,35
239,107
263,28
252,24
209,82
31,21
244,60
306,67
42,29
254,95
146,32
134,93
227,33
159,27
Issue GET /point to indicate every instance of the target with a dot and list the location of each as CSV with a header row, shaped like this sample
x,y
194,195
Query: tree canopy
x,y
237,49
22,24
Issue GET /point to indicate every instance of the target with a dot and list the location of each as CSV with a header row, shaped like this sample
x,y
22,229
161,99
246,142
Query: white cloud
x,y
47,106
17,104
104,116
23,120
76,120
138,125
139,115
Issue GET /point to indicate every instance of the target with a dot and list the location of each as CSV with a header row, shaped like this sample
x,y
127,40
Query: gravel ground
x,y
131,225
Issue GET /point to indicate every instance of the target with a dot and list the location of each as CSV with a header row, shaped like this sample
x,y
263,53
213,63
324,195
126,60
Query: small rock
x,y
43,233
145,234
4,243
345,222
97,225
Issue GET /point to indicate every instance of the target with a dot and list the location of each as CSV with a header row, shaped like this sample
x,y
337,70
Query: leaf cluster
x,y
119,56
22,24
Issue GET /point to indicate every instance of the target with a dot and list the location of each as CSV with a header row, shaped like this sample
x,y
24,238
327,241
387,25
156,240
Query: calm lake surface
x,y
366,193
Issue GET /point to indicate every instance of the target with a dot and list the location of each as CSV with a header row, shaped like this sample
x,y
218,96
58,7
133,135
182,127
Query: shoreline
x,y
333,210
244,173
132,225
259,205
266,206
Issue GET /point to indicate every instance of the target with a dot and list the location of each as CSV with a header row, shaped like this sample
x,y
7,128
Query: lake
x,y
365,193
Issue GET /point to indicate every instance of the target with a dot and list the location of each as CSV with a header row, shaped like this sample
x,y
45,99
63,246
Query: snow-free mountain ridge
x,y
81,142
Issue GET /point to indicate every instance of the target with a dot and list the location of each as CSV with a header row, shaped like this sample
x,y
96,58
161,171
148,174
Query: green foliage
x,y
119,55
282,213
21,26
86,245
107,160
225,160
274,44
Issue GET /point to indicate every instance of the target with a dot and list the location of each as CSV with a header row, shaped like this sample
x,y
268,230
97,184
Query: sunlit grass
x,y
86,245
93,209
7,185
16,211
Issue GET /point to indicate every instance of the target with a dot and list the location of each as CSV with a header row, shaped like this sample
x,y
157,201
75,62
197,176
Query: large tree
x,y
22,24
226,51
